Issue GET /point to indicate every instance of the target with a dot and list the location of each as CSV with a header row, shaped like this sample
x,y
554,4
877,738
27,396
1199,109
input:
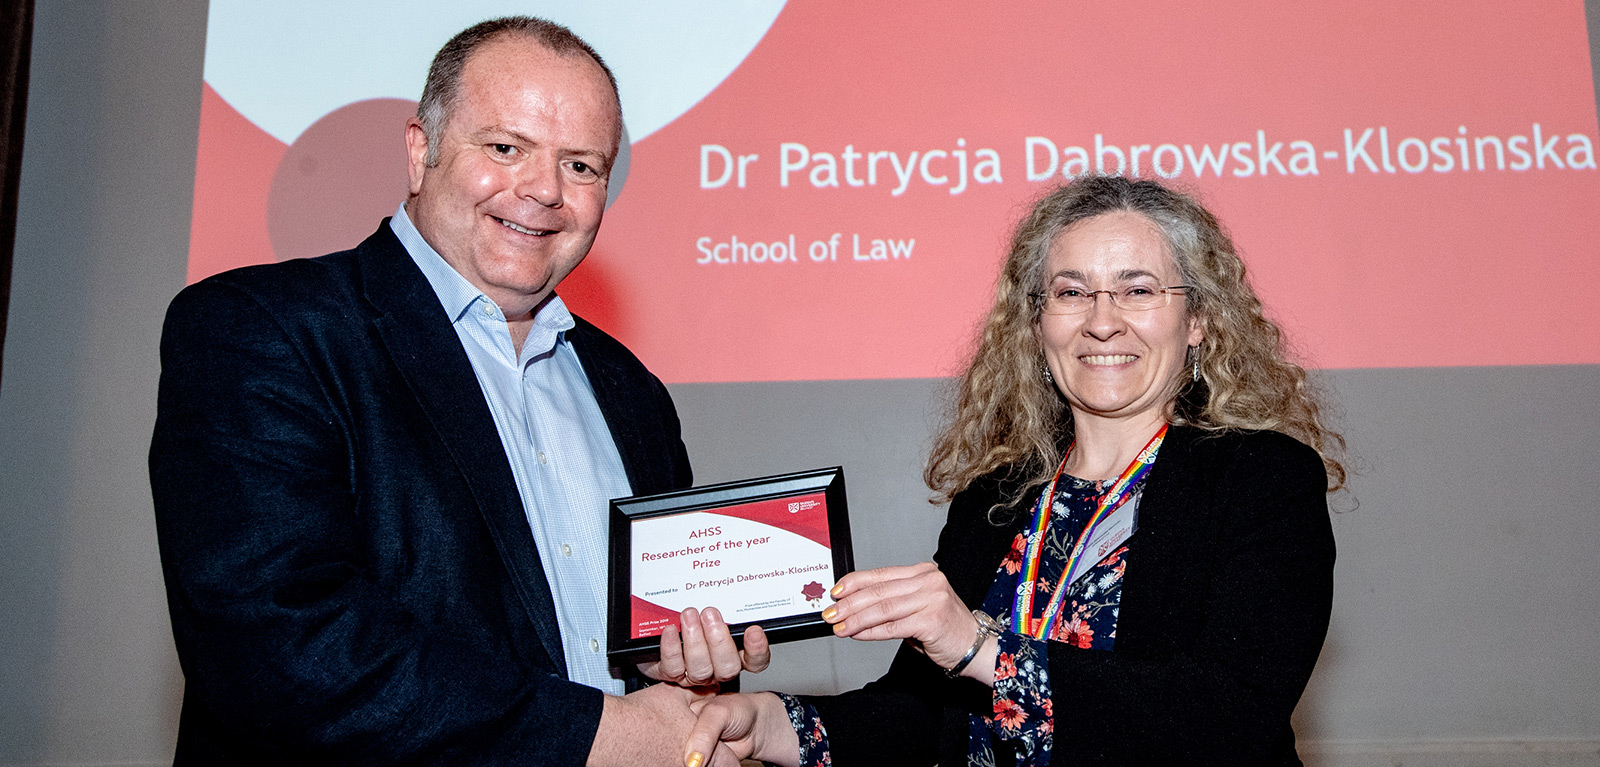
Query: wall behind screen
x,y
1465,610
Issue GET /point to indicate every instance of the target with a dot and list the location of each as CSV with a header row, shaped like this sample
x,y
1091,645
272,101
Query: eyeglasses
x,y
1133,298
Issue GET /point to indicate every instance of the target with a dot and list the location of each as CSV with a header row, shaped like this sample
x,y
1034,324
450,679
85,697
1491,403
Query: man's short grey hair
x,y
443,88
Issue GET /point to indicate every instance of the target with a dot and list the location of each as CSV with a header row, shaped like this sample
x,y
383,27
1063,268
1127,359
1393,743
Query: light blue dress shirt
x,y
566,465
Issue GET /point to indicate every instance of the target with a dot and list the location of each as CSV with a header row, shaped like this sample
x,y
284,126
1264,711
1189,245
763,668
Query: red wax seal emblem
x,y
812,592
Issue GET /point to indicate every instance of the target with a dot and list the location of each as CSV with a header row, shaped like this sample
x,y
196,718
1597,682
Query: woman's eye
x,y
1069,292
1139,290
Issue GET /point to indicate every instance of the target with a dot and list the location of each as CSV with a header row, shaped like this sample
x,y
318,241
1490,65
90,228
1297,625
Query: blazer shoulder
x,y
989,506
290,288
977,498
1265,450
334,281
1248,474
325,294
334,273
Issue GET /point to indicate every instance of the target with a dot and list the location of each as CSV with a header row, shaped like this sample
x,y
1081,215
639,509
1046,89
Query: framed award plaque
x,y
762,551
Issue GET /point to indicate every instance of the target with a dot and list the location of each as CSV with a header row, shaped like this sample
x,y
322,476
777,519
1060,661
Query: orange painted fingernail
x,y
838,588
828,614
695,759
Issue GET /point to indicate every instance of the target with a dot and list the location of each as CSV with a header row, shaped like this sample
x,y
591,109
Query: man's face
x,y
516,197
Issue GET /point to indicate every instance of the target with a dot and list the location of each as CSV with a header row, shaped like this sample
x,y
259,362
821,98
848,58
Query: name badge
x,y
1117,528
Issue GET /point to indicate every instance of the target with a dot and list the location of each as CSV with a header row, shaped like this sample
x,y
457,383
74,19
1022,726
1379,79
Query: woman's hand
x,y
700,651
735,727
913,602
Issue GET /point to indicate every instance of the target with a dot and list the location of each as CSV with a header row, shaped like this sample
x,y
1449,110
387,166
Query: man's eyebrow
x,y
500,131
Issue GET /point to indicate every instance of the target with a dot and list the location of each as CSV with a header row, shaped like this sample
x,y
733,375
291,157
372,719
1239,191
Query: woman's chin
x,y
1113,408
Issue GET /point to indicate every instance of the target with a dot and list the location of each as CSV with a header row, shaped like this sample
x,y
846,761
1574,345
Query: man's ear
x,y
416,154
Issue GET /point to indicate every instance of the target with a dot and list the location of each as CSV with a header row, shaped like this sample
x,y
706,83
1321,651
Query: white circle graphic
x,y
286,64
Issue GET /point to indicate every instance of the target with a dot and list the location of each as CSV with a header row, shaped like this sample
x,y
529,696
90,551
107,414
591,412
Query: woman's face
x,y
1110,362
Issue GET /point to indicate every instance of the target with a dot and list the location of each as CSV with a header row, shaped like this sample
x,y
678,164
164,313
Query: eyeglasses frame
x,y
1041,300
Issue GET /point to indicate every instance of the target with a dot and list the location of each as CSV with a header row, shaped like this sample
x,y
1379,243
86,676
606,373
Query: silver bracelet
x,y
987,627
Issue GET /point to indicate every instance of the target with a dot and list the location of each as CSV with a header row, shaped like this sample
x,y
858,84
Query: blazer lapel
x,y
420,340
1171,523
634,428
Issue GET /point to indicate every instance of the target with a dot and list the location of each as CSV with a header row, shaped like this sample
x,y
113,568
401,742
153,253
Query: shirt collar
x,y
459,296
454,291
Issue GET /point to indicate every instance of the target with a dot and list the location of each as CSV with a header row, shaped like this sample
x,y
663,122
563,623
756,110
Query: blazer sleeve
x,y
287,638
914,714
1215,680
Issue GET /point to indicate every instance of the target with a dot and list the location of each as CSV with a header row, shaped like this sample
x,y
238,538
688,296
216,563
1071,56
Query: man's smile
x,y
524,230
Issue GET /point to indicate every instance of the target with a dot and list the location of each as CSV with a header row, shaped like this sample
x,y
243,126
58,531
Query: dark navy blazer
x,y
349,570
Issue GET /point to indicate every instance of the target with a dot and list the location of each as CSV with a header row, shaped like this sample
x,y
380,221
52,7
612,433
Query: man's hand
x,y
703,652
646,728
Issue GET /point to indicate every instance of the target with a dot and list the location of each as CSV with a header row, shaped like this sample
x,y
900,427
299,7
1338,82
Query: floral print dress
x,y
1020,729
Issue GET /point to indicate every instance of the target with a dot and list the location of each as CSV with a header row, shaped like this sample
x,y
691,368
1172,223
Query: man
x,y
381,476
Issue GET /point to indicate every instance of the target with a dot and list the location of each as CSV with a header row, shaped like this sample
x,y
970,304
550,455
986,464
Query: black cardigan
x,y
1225,605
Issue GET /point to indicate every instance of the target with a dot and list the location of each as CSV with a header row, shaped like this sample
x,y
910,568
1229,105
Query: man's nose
x,y
540,181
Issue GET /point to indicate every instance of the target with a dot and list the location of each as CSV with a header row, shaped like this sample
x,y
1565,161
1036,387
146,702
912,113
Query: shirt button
x,y
542,458
488,310
594,645
566,549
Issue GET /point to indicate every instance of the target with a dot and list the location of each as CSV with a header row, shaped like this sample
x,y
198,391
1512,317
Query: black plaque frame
x,y
624,511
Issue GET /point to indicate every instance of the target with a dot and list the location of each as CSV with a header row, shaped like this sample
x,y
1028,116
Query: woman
x,y
1126,379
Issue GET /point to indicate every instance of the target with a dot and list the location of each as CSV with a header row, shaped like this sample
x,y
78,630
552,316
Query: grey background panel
x,y
87,670
1466,606
1466,600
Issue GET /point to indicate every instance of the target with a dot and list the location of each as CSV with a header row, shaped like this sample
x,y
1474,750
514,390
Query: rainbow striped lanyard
x,y
1022,620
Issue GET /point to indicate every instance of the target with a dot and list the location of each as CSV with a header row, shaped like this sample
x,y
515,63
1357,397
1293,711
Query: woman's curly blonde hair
x,y
1006,415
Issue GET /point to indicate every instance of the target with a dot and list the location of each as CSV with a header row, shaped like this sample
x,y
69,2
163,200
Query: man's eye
x,y
503,148
582,168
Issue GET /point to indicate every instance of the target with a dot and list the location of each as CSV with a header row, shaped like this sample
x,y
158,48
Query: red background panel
x,y
1363,268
